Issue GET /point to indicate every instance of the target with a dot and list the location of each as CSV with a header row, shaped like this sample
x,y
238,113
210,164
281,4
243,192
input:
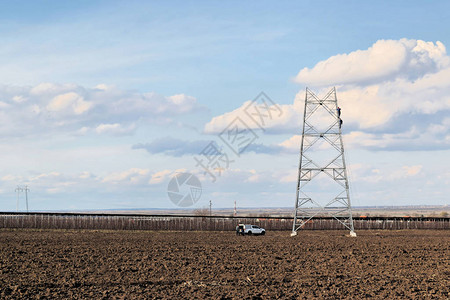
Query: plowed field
x,y
173,265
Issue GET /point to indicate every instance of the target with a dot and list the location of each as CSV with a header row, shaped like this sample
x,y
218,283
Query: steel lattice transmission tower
x,y
22,189
322,186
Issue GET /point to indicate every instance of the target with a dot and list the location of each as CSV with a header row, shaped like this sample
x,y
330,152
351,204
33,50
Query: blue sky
x,y
101,102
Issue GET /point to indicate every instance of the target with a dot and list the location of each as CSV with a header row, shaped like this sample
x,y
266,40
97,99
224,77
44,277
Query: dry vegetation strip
x,y
189,223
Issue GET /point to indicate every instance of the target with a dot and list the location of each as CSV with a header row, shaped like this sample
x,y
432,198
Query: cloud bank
x,y
48,108
395,95
384,61
173,147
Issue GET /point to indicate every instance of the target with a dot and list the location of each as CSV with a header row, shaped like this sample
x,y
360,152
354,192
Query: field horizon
x,y
357,211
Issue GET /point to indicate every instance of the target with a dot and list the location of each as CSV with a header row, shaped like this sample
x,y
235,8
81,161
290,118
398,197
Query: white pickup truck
x,y
249,229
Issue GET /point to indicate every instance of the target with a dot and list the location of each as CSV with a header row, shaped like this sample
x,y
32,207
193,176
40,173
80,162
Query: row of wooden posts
x,y
200,223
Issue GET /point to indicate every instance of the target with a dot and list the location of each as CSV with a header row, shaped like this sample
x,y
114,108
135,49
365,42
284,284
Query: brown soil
x,y
220,265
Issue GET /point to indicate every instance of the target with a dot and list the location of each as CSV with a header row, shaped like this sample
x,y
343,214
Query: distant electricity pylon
x,y
22,189
322,185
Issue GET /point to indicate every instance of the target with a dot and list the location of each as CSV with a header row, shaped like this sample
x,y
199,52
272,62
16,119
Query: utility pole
x,y
235,210
22,189
18,190
322,159
210,208
26,189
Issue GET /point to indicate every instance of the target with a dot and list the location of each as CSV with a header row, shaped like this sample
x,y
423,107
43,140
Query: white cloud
x,y
412,170
293,143
82,131
78,183
62,102
290,176
372,94
50,182
10,177
86,175
133,175
45,176
385,60
373,175
69,101
430,136
386,81
72,109
393,95
255,176
160,177
19,99
50,88
103,87
287,120
375,105
115,129
180,102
